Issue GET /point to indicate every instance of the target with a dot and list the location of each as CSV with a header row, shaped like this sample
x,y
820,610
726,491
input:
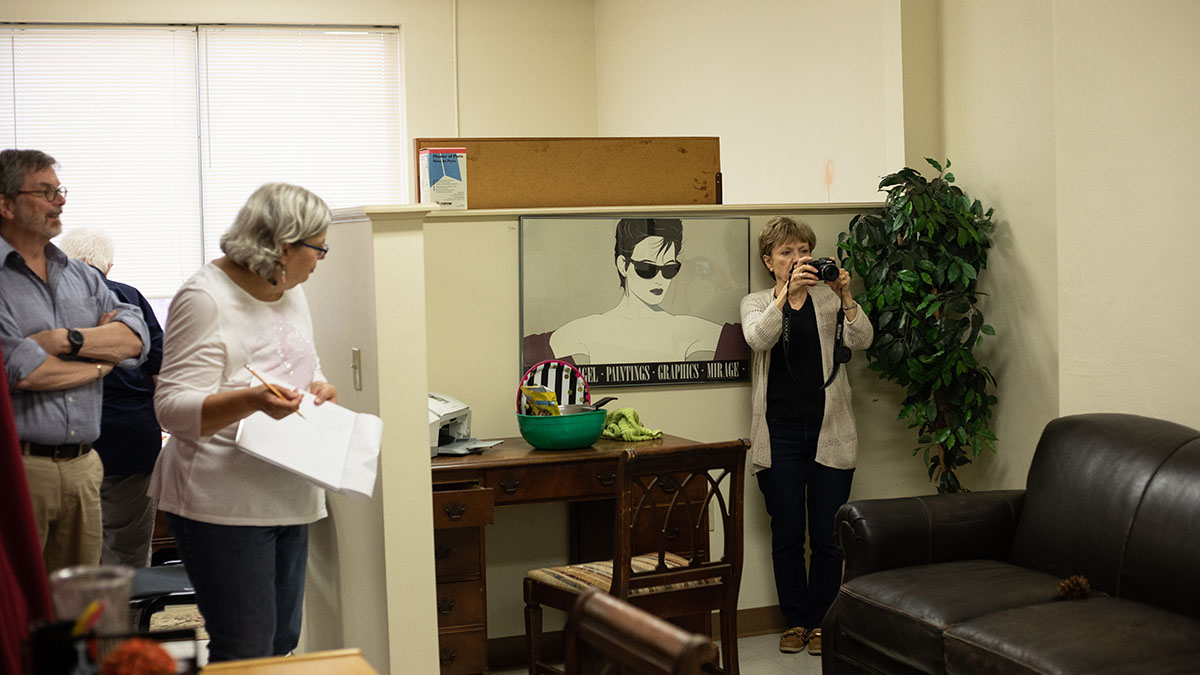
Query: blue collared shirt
x,y
74,296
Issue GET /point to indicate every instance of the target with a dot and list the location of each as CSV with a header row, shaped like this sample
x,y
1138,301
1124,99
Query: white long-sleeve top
x,y
762,324
214,330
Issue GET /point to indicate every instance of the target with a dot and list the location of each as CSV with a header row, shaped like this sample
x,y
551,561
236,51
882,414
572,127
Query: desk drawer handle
x,y
442,552
454,510
509,485
445,605
447,656
607,479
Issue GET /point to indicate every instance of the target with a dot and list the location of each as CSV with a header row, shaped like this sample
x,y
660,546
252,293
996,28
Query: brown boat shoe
x,y
814,642
793,640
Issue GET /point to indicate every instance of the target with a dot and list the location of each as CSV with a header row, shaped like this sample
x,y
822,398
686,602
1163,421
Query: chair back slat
x,y
672,494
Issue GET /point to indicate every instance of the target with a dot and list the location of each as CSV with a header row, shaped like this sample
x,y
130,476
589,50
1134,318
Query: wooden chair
x,y
665,497
607,636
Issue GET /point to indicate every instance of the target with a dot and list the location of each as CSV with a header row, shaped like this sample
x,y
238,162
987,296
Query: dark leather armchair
x,y
970,583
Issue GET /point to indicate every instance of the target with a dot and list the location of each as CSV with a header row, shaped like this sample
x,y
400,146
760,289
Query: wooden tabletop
x,y
516,452
333,662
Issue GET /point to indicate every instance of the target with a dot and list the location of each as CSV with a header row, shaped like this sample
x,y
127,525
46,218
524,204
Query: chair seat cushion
x,y
903,612
579,578
151,582
1096,635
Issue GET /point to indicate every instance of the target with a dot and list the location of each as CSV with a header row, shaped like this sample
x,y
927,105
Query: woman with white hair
x,y
130,438
242,524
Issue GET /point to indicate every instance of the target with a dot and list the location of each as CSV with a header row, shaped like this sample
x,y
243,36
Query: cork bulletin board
x,y
507,173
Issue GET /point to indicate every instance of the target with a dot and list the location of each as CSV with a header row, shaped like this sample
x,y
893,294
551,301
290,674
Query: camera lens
x,y
827,270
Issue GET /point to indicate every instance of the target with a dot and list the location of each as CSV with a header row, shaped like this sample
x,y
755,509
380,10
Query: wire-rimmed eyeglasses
x,y
49,193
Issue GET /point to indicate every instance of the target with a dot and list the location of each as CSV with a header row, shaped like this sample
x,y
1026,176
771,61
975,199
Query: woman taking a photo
x,y
241,524
802,424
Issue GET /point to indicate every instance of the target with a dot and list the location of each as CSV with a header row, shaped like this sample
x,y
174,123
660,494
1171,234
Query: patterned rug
x,y
179,616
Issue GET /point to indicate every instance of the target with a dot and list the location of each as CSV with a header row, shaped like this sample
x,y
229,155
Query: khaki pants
x,y
66,506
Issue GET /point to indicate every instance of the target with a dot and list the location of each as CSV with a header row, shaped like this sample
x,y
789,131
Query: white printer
x,y
449,422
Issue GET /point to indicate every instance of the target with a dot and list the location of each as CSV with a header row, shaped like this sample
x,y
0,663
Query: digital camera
x,y
827,268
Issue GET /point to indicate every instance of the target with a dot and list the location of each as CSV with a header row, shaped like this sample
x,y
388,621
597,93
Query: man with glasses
x,y
61,332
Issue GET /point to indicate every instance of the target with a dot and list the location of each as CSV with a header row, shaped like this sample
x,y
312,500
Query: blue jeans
x,y
249,584
795,487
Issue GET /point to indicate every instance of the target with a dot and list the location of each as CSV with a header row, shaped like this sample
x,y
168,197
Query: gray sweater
x,y
762,323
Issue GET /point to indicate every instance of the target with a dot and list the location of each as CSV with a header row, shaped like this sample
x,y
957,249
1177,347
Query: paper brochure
x,y
443,173
332,446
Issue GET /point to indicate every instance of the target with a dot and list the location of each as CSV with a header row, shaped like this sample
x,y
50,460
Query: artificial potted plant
x,y
920,260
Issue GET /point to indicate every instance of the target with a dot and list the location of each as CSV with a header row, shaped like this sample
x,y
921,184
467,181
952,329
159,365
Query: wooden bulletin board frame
x,y
618,171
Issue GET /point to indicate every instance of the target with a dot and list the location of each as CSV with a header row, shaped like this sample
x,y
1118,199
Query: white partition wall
x,y
371,575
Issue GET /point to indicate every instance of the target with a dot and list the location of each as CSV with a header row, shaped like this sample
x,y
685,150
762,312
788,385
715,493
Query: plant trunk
x,y
945,456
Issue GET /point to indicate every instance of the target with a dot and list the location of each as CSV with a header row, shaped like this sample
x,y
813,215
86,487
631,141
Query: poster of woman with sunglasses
x,y
636,301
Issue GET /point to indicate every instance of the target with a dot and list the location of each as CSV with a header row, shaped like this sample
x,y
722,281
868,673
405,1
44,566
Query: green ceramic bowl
x,y
561,432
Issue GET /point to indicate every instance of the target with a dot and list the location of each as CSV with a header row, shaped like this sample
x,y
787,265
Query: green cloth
x,y
623,424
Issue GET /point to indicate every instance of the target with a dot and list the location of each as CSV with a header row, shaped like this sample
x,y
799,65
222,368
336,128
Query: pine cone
x,y
1074,588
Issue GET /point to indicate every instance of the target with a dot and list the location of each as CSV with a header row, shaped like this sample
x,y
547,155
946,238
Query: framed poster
x,y
636,301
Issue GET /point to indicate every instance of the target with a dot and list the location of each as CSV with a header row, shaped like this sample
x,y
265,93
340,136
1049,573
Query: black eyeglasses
x,y
322,251
646,269
49,194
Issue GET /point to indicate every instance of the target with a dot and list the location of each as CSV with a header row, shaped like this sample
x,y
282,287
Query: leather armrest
x,y
880,534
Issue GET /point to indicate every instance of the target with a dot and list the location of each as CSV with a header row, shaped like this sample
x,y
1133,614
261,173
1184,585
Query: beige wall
x,y
788,86
1127,101
998,128
920,33
526,68
1076,122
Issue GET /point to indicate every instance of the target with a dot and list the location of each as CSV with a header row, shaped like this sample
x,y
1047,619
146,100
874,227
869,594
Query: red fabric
x,y
24,589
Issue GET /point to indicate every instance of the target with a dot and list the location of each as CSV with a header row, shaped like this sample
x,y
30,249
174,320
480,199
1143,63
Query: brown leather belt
x,y
58,453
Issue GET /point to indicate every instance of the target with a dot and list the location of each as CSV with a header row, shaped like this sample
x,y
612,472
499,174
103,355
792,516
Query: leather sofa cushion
x,y
1162,559
903,612
1087,481
1096,635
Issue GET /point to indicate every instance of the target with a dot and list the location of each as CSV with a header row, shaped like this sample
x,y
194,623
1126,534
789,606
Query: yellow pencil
x,y
270,386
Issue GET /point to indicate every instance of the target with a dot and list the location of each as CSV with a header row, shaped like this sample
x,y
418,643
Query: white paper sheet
x,y
332,446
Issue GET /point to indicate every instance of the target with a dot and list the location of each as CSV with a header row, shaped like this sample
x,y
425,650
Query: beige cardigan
x,y
762,323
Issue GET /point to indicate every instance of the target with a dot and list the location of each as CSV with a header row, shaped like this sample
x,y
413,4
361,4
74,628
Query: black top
x,y
130,438
790,399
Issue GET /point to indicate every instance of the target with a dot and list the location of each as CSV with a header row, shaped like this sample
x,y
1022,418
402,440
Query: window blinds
x,y
161,133
318,108
117,108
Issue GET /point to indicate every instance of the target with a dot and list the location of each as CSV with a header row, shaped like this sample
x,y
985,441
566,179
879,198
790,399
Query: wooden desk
x,y
334,662
465,492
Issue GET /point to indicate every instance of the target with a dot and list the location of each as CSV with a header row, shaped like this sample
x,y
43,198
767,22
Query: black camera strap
x,y
841,353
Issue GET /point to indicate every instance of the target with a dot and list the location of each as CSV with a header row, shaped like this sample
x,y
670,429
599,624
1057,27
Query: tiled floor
x,y
758,655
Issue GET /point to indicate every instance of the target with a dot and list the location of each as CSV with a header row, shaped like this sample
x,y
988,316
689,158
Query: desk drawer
x,y
461,652
465,507
456,552
558,482
460,603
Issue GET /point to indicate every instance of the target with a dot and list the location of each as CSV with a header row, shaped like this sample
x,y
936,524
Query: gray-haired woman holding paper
x,y
242,524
